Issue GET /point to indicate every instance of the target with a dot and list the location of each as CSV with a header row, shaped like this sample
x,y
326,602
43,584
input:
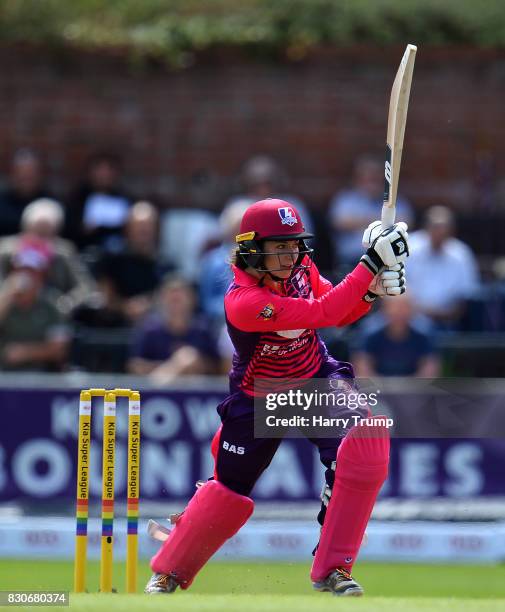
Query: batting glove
x,y
391,281
388,249
373,231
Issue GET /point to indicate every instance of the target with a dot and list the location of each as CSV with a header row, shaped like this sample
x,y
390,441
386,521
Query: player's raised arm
x,y
258,309
262,306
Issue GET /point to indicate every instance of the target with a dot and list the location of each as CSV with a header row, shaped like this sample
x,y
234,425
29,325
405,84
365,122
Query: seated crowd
x,y
106,282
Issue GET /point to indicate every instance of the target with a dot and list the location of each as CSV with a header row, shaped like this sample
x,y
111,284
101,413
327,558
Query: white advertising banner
x,y
413,541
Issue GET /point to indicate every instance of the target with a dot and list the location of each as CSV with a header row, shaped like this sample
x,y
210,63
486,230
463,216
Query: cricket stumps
x,y
108,472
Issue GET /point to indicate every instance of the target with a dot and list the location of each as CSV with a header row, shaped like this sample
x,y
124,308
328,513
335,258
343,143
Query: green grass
x,y
317,602
284,587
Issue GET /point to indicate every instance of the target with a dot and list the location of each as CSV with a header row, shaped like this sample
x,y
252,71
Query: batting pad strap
x,y
213,515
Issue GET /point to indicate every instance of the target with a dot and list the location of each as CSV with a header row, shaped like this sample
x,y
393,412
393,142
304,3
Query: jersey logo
x,y
267,312
287,216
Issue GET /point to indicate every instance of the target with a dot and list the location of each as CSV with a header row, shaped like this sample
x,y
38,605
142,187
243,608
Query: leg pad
x,y
362,467
214,514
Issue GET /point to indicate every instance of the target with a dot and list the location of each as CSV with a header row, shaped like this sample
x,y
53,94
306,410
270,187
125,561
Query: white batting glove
x,y
391,281
372,232
391,247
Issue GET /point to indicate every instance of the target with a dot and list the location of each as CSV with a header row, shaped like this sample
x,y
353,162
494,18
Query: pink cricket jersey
x,y
274,333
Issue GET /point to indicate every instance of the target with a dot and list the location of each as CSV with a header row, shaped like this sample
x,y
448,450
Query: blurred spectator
x,y
185,234
135,270
66,276
104,310
33,334
215,264
25,184
98,210
173,342
101,333
225,349
398,348
442,271
352,210
262,177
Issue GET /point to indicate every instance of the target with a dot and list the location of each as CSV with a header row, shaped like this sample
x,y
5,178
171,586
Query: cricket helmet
x,y
270,219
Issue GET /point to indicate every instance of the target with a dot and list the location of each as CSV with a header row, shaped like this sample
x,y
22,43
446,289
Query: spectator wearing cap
x,y
66,276
442,270
25,184
33,332
173,341
98,209
353,209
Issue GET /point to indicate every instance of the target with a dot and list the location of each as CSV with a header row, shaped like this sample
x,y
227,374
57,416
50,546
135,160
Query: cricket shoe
x,y
340,583
161,584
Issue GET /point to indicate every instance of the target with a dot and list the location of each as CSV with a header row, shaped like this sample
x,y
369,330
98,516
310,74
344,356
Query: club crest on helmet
x,y
287,216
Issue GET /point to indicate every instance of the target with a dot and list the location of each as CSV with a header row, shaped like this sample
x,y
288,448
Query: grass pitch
x,y
278,587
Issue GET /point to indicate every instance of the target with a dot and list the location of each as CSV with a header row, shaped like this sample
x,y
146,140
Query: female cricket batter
x,y
273,307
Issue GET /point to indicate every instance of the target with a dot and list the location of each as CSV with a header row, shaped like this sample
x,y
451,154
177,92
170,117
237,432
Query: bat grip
x,y
388,216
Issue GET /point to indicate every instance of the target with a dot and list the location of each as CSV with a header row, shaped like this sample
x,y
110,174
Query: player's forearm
x,y
359,311
345,300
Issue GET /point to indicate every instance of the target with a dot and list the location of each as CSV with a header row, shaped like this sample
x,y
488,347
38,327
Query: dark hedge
x,y
174,30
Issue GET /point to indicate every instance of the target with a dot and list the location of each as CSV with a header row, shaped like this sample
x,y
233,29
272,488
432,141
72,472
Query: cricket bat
x,y
397,118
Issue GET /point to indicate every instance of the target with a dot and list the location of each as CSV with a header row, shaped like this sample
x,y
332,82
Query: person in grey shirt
x,y
33,332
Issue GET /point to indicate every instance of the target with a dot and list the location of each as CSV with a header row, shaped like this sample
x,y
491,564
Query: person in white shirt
x,y
442,269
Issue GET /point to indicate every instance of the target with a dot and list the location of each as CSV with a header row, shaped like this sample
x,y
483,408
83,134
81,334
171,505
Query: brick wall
x,y
184,135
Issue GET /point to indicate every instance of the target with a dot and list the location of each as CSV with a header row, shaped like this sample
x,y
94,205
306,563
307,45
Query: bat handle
x,y
388,216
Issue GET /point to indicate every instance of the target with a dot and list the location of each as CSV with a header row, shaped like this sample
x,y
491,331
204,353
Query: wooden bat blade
x,y
397,118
